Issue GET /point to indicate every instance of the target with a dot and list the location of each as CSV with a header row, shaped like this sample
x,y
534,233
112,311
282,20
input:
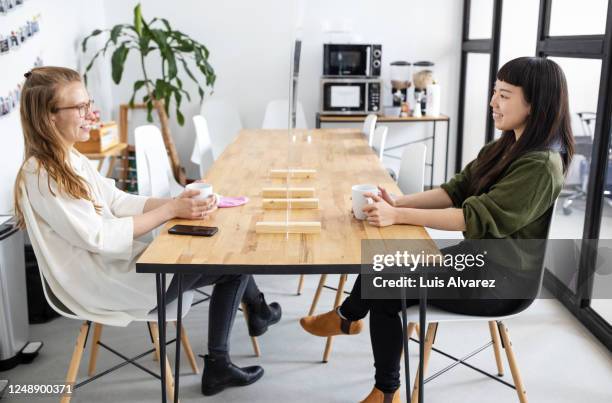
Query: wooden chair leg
x,y
339,293
93,357
300,285
516,375
155,353
188,350
169,377
429,340
496,347
409,330
254,340
75,361
315,299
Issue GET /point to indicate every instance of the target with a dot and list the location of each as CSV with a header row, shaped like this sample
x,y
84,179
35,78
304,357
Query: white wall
x,y
62,24
250,46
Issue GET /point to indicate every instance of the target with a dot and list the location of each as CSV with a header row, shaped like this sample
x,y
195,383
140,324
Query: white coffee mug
x,y
205,189
359,200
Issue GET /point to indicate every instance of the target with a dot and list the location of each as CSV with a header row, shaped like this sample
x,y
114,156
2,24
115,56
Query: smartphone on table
x,y
195,230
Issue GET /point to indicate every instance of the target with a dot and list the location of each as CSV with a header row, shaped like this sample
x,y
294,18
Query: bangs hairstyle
x,y
42,139
548,125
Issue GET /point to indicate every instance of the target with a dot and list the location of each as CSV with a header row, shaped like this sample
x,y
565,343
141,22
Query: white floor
x,y
560,361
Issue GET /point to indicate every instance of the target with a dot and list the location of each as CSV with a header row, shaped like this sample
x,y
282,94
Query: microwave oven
x,y
350,96
354,60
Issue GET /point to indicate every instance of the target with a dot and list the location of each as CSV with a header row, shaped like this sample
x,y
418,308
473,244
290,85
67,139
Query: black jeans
x,y
386,326
227,293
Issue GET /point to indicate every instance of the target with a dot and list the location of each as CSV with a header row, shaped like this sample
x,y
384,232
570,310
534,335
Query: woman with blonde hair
x,y
84,230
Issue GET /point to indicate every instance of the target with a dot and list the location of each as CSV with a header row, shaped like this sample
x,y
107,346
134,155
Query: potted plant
x,y
175,50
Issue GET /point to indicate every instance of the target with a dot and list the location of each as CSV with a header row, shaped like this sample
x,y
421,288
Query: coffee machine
x,y
401,81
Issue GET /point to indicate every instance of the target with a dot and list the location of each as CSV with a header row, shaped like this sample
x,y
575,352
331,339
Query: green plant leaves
x,y
174,47
96,32
118,61
138,19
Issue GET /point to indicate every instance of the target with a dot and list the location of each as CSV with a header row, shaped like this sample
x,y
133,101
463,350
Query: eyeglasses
x,y
83,108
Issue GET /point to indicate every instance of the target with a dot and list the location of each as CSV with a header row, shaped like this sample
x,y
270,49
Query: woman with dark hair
x,y
507,192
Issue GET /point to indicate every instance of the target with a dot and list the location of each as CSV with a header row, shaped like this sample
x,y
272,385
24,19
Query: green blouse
x,y
516,205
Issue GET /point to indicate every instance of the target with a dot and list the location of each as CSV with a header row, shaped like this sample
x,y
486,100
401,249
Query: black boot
x,y
261,315
220,373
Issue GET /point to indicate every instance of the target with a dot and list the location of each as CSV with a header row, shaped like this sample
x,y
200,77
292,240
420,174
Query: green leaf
x,y
115,32
149,110
94,33
179,117
138,19
118,61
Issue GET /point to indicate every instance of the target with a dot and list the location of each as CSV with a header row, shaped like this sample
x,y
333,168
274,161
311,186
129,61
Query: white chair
x,y
35,235
153,169
277,115
369,124
435,316
411,175
202,148
223,124
378,141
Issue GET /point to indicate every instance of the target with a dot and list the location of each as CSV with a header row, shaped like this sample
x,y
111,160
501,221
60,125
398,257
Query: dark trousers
x,y
386,326
227,293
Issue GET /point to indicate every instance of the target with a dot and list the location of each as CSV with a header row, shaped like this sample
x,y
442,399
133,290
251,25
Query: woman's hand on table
x,y
380,213
186,206
387,197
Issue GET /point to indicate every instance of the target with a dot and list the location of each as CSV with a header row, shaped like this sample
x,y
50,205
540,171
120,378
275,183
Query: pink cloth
x,y
225,202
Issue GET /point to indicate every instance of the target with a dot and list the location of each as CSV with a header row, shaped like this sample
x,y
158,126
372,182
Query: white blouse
x,y
88,258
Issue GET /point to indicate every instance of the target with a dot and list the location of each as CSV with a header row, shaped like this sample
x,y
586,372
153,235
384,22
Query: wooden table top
x,y
382,119
342,159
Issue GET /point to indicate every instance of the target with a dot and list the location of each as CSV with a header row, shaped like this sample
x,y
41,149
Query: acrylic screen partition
x,y
293,145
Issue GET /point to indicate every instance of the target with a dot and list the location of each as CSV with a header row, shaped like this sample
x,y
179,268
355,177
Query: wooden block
x,y
291,203
293,173
293,227
280,193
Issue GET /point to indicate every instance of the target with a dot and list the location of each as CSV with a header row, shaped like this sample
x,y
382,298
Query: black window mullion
x,y
498,6
484,46
599,163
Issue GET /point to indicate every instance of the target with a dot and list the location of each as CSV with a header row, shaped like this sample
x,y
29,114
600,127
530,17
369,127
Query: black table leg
x,y
160,281
422,324
433,155
446,157
406,336
179,318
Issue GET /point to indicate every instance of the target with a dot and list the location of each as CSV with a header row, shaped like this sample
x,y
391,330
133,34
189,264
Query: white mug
x,y
359,201
205,189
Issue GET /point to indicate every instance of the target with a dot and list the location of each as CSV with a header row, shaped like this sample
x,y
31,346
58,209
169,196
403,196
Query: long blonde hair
x,y
42,140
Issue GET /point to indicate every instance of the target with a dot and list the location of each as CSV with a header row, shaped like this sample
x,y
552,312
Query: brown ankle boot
x,y
378,396
330,324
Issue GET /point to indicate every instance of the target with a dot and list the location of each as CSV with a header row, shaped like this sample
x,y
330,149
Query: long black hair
x,y
548,125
